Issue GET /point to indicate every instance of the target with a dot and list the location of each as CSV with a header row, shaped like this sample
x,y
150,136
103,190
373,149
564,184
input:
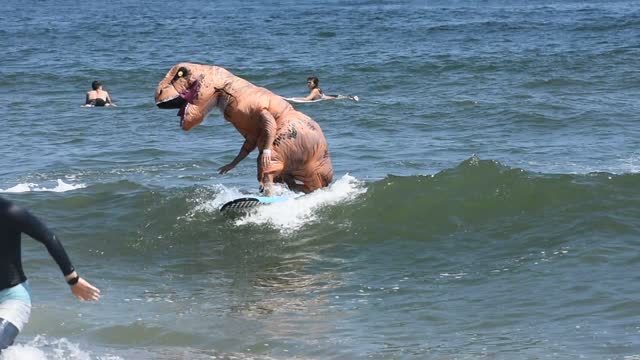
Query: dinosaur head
x,y
193,89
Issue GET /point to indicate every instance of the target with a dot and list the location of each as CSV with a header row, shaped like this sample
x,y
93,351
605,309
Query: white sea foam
x,y
27,187
292,214
287,215
42,348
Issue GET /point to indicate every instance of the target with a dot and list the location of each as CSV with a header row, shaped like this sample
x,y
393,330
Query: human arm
x,y
109,101
313,95
247,147
81,288
32,226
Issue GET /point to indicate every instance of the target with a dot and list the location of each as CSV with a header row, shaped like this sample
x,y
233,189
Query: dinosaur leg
x,y
271,174
315,180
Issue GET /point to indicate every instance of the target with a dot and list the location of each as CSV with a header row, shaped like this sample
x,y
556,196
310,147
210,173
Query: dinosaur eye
x,y
182,72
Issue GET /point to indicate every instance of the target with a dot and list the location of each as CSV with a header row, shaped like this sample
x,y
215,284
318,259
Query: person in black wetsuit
x,y
15,299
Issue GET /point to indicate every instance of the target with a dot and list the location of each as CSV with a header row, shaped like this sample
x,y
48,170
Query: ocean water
x,y
485,203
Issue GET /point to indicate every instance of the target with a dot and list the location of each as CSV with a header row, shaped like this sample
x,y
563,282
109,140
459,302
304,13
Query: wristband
x,y
74,280
266,151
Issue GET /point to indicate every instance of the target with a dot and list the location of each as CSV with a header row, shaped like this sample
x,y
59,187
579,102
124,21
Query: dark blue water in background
x,y
485,202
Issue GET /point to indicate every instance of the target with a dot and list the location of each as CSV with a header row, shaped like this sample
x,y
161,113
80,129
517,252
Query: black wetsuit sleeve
x,y
30,225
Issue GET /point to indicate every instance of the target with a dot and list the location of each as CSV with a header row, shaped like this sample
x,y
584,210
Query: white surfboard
x,y
332,97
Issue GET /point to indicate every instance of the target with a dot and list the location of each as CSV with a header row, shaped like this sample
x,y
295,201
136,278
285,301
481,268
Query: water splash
x,y
286,216
290,215
41,348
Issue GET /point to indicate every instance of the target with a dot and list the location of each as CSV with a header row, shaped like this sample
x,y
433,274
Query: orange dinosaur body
x,y
292,147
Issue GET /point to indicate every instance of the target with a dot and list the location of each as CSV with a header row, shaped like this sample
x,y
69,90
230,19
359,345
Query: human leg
x,y
15,310
8,333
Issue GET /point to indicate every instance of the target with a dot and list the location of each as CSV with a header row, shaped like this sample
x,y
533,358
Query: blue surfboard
x,y
248,203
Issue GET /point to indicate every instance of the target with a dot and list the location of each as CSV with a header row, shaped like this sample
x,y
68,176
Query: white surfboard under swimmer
x,y
338,97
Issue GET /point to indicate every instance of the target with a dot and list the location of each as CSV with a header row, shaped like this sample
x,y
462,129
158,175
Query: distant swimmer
x,y
316,93
15,297
98,96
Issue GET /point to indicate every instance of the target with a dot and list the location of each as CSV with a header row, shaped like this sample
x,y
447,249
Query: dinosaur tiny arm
x,y
268,131
268,135
247,147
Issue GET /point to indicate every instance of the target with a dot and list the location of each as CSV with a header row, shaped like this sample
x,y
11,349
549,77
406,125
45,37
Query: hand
x,y
226,168
84,291
265,160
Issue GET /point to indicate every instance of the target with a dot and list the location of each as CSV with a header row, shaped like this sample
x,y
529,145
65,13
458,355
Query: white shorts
x,y
15,305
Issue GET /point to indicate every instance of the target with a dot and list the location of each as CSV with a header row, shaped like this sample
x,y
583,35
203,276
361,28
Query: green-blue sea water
x,y
485,203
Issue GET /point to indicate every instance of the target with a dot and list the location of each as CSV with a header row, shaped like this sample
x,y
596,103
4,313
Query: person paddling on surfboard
x,y
98,96
15,299
317,94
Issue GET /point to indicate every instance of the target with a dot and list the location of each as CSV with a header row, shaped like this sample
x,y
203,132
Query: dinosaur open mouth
x,y
181,101
177,102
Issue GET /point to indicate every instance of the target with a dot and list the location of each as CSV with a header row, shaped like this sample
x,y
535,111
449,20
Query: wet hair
x,y
95,84
314,80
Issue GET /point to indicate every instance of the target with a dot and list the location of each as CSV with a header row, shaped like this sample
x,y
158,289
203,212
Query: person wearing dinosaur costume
x,y
292,147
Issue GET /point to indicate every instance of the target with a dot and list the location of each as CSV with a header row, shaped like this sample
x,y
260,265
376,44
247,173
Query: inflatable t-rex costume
x,y
292,147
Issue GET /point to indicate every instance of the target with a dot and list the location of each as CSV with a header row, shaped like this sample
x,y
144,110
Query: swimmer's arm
x,y
313,95
109,101
30,225
86,99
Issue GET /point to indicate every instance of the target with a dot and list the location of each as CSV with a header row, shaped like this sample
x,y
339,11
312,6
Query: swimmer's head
x,y
95,85
312,80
